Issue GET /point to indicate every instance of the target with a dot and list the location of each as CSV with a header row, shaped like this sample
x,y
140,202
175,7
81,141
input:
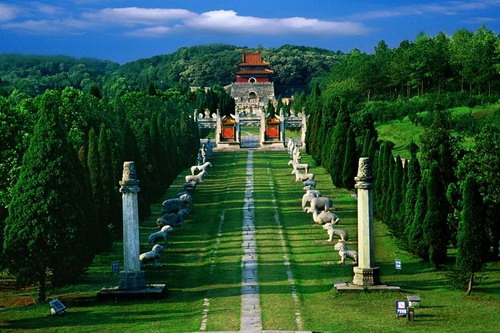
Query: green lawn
x,y
193,248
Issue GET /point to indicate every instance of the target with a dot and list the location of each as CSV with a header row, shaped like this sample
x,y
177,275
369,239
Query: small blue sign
x,y
401,308
115,266
398,265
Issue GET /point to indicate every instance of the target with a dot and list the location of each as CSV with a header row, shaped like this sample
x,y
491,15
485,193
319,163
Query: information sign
x,y
401,308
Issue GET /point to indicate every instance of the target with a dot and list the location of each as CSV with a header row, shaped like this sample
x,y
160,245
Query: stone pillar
x,y
237,128
131,277
303,129
218,129
262,136
365,274
282,126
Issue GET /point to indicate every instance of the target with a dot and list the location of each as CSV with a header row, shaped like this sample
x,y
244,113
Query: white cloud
x,y
47,9
49,27
479,20
229,22
7,12
135,15
442,8
157,31
155,22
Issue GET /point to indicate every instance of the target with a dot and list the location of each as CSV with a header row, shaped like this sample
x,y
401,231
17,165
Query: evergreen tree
x,y
111,203
103,239
436,233
314,107
472,250
349,169
410,198
366,145
338,148
373,148
47,232
397,195
416,241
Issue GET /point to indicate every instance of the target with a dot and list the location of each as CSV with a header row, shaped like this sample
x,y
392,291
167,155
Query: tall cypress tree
x,y
337,156
350,160
103,239
366,145
416,241
389,166
47,232
410,198
396,196
111,203
436,233
473,245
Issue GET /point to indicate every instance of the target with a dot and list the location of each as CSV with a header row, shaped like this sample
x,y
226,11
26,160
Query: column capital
x,y
364,177
129,182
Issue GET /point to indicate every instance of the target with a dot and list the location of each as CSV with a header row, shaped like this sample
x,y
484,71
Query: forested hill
x,y
33,74
205,65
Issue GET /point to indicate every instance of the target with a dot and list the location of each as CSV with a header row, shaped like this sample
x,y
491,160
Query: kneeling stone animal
x,y
344,253
163,233
308,196
153,255
172,218
320,203
325,217
330,230
299,176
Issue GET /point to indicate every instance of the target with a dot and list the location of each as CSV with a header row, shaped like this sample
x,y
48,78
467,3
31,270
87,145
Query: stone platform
x,y
150,291
346,287
272,145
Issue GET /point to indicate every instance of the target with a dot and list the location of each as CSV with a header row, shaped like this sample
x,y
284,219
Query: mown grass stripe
x,y
284,248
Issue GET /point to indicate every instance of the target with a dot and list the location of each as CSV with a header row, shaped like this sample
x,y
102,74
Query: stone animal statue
x,y
203,151
291,147
197,178
299,176
153,255
163,233
198,168
189,186
296,166
173,218
187,198
310,183
297,156
320,203
308,196
330,230
176,204
344,253
324,217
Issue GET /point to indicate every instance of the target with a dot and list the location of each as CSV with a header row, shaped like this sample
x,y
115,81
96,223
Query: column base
x,y
132,280
366,276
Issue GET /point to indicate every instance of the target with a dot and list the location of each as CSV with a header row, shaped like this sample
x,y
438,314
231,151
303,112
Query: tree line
x,y
203,66
446,194
61,159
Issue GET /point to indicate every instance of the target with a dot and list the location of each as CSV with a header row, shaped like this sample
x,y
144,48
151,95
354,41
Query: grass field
x,y
201,263
403,132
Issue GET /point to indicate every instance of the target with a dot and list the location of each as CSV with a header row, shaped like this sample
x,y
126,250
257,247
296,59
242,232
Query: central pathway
x,y
250,300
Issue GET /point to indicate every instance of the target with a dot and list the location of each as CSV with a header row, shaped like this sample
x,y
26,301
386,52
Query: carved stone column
x,y
365,274
131,277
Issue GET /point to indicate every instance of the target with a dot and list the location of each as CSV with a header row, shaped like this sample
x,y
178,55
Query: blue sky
x,y
123,30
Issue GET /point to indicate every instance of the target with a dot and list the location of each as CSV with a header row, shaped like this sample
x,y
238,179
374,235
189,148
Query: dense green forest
x,y
424,200
207,65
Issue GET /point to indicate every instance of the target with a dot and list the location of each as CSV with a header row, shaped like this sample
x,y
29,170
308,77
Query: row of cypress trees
x,y
413,199
65,206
